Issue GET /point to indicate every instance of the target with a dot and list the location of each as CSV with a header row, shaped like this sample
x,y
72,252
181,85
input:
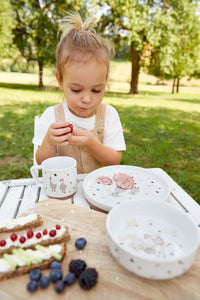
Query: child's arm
x,y
103,154
57,135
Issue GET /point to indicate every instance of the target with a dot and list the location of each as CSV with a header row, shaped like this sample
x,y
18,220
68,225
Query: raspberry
x,y
30,234
52,233
38,235
45,232
77,266
2,243
13,237
88,278
22,239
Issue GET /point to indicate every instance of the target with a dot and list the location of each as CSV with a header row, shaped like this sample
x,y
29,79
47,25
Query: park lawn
x,y
161,130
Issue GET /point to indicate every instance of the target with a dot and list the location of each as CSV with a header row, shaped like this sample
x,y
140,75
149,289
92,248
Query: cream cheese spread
x,y
34,240
45,255
20,221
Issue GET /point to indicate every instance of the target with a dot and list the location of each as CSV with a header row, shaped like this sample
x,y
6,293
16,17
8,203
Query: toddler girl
x,y
82,72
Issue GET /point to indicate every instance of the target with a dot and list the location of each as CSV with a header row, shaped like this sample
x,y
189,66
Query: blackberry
x,y
88,278
77,266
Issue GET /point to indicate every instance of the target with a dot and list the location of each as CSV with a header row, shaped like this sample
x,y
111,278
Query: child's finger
x,y
62,124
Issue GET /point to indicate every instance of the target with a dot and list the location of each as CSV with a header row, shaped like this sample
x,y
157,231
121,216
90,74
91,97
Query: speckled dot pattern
x,y
148,185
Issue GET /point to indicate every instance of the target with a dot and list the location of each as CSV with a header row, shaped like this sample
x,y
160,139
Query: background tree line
x,y
161,36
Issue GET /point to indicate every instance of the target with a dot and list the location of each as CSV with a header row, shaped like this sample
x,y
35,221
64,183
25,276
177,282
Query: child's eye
x,y
75,90
96,91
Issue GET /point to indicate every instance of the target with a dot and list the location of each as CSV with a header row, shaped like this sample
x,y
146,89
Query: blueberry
x,y
70,279
32,286
55,275
44,282
80,243
59,286
55,265
35,274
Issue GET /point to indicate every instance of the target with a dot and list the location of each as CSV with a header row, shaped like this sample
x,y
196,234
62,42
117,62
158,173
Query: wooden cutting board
x,y
114,282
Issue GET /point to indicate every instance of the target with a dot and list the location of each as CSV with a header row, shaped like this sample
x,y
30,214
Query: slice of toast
x,y
61,236
21,223
26,269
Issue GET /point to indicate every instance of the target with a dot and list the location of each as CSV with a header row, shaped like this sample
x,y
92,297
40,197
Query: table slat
x,y
3,191
29,198
10,205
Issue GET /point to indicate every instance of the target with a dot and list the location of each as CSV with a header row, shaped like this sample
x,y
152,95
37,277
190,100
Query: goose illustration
x,y
63,186
52,185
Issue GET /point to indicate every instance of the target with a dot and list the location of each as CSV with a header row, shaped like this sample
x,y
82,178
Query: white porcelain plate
x,y
148,185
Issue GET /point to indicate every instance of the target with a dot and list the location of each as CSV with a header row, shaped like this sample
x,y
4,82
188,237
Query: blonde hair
x,y
79,42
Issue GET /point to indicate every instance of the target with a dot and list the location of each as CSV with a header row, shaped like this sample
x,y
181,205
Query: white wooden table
x,y
17,196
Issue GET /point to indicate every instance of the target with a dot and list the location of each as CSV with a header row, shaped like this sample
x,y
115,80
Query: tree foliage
x,y
37,26
176,45
6,24
163,35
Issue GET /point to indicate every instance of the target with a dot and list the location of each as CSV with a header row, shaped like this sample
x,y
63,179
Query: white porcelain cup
x,y
59,176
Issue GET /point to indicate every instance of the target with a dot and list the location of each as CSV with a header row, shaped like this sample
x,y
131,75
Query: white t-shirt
x,y
113,132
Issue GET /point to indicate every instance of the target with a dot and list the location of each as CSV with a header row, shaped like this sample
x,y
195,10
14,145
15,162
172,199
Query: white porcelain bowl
x,y
152,239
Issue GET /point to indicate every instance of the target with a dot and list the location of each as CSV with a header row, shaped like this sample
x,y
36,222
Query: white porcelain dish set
x,y
146,235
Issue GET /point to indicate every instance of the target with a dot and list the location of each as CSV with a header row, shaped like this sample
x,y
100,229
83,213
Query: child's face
x,y
83,85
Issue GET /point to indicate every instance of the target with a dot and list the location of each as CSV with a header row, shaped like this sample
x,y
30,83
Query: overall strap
x,y
59,116
100,115
59,112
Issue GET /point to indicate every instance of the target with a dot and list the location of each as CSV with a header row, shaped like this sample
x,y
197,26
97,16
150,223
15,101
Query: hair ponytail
x,y
73,22
79,41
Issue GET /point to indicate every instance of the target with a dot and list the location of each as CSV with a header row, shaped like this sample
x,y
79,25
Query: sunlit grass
x,y
161,129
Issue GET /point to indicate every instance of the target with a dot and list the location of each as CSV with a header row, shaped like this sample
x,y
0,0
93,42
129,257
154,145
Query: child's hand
x,y
81,138
58,133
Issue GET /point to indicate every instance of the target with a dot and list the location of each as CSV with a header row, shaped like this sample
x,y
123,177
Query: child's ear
x,y
58,77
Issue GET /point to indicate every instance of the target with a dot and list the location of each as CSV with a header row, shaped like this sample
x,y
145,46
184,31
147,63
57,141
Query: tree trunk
x,y
177,85
173,85
40,64
135,69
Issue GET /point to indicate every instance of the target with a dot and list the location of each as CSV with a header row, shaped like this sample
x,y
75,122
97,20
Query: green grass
x,y
161,130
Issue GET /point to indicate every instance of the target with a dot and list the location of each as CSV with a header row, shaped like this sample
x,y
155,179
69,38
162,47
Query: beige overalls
x,y
85,161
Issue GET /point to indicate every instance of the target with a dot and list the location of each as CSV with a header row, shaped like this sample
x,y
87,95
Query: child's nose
x,y
87,98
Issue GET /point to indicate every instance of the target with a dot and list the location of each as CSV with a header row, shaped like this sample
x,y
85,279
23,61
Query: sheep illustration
x,y
63,186
52,185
